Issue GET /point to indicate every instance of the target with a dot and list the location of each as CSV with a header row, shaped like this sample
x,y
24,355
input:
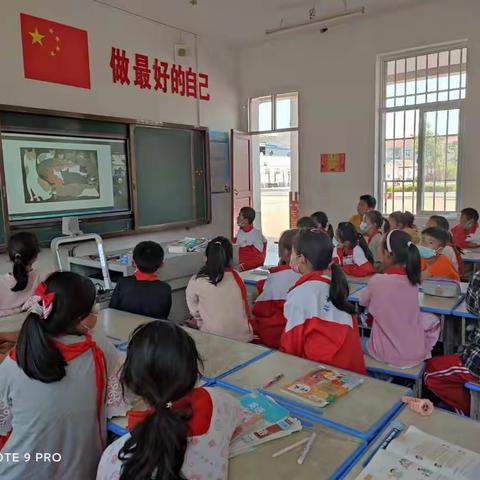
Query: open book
x,y
419,456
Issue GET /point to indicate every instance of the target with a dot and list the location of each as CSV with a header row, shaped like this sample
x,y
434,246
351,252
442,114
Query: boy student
x,y
144,293
467,233
365,204
253,245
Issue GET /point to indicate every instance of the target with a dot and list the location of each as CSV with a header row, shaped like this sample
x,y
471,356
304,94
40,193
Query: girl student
x,y
321,220
269,322
321,324
217,296
373,227
405,221
53,385
184,432
352,252
401,335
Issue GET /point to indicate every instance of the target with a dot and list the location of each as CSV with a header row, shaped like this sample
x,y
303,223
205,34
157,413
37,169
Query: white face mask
x,y
335,242
364,227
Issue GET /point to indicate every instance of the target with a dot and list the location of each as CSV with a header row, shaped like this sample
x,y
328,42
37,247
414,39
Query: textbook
x,y
322,386
263,420
417,455
187,245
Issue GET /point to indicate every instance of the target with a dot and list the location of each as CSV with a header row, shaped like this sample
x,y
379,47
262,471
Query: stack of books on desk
x,y
188,245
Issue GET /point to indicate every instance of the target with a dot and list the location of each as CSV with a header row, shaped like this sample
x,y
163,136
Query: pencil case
x,y
441,287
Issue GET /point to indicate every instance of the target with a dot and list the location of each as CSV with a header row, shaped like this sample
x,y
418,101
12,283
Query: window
x,y
421,111
274,112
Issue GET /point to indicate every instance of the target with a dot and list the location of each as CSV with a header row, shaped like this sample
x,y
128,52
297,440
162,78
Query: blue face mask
x,y
426,252
335,242
363,227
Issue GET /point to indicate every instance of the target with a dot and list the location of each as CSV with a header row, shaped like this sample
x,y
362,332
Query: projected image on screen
x,y
56,175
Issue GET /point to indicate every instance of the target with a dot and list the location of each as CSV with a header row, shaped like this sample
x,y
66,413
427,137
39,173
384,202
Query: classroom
x,y
200,200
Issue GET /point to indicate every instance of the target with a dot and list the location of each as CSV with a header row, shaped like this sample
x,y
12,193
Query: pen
x,y
273,381
290,447
306,449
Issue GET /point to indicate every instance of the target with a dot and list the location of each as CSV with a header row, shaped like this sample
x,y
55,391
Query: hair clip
x,y
218,243
168,405
409,244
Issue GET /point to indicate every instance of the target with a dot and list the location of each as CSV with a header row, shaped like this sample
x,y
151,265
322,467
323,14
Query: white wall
x,y
335,76
106,28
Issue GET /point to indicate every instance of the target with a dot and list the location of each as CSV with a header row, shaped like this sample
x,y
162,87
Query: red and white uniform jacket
x,y
253,247
269,321
317,330
354,262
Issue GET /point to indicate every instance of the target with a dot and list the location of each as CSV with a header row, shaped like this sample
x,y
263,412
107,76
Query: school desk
x,y
474,389
471,256
452,428
362,412
461,312
13,323
359,280
219,354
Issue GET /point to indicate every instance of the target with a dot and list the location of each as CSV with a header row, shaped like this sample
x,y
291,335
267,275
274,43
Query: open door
x,y
242,186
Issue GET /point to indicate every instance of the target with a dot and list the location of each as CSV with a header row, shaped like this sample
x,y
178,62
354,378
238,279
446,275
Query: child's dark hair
x,y
409,219
219,255
377,219
404,252
370,200
399,218
440,222
23,249
306,223
348,233
36,352
322,221
248,213
470,213
443,236
148,256
285,241
162,367
317,248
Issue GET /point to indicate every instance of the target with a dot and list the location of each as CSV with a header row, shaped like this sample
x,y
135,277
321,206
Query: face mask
x,y
363,227
335,242
426,252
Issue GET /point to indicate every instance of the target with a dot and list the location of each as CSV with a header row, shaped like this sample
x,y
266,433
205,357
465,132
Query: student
x,y
467,233
252,244
352,252
451,251
396,221
217,296
405,221
365,204
54,384
144,293
372,229
321,324
184,432
321,221
401,335
306,223
434,240
269,321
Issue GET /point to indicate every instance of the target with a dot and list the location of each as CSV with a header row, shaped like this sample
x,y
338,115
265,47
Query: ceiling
x,y
242,22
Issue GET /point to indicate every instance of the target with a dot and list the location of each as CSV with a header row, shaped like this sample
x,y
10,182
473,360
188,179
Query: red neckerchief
x,y
315,276
74,350
279,268
243,291
373,235
395,270
341,254
202,408
247,228
145,277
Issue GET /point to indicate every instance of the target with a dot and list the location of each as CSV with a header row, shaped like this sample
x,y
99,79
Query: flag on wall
x,y
54,52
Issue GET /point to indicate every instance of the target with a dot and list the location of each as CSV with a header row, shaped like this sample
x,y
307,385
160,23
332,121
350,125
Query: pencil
x,y
274,381
290,447
306,449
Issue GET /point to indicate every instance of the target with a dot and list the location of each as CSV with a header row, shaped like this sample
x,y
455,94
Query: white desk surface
x,y
471,256
455,429
219,354
359,280
359,409
13,323
372,363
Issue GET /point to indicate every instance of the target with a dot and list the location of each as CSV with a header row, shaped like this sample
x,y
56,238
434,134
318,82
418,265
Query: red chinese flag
x,y
54,52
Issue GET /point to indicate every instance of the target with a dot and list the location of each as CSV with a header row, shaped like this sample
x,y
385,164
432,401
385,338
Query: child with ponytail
x,y
185,431
217,296
401,335
53,385
321,324
372,228
352,252
321,220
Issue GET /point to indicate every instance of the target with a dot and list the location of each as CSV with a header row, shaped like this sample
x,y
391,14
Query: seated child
x,y
404,221
269,322
434,240
184,431
321,324
144,293
53,385
401,335
217,296
321,222
372,228
253,245
352,252
451,251
306,223
365,204
467,233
